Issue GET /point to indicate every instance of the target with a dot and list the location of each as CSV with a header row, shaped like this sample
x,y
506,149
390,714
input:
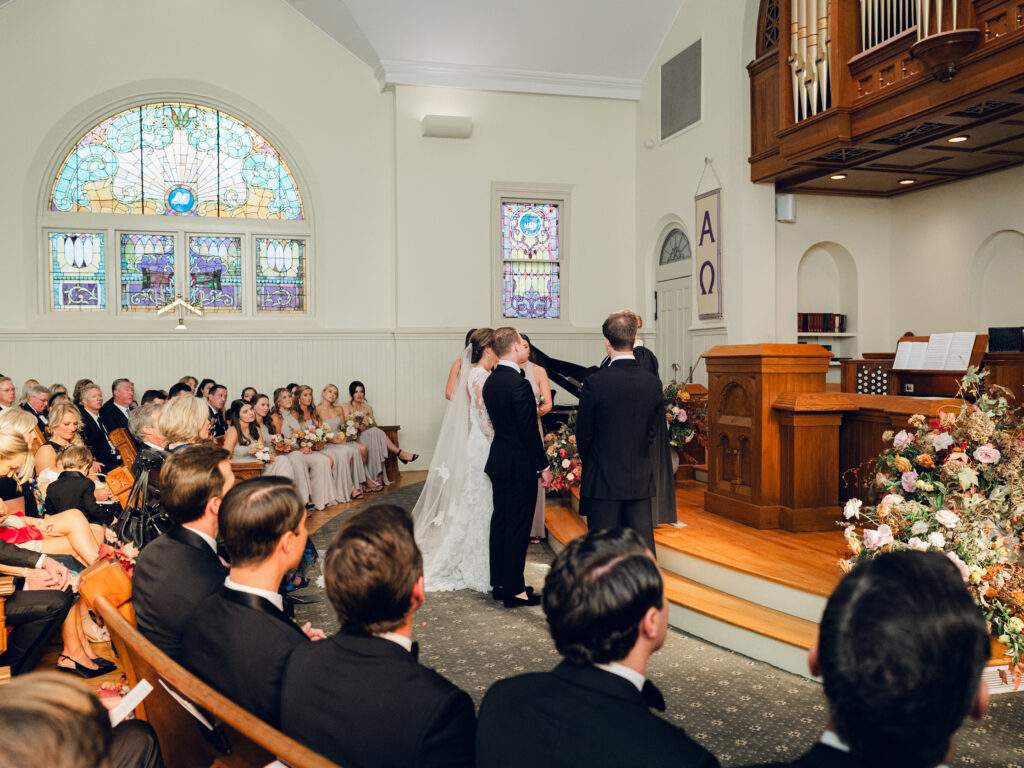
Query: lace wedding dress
x,y
453,514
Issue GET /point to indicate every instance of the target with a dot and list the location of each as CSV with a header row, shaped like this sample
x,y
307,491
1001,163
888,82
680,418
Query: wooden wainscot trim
x,y
810,402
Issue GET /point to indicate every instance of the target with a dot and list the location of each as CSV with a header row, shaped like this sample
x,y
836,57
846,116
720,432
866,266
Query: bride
x,y
453,514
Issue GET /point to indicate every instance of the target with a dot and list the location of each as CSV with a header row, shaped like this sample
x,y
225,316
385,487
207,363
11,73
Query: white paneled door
x,y
673,303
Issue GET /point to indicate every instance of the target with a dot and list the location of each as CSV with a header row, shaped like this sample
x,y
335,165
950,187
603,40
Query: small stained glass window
x,y
280,274
530,259
77,271
147,271
675,248
215,273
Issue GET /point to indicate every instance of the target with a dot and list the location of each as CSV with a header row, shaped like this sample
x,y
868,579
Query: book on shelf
x,y
820,322
942,352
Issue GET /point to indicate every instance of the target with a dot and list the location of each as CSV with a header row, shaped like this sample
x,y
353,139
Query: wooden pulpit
x,y
744,439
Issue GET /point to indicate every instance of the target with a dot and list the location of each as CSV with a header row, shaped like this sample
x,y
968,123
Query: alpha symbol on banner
x,y
706,229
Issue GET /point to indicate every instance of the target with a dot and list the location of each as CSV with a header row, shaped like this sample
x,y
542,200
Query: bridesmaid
x,y
378,446
282,451
541,386
331,415
322,490
243,436
348,469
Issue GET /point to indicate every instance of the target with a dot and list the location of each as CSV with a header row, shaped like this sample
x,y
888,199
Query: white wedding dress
x,y
453,514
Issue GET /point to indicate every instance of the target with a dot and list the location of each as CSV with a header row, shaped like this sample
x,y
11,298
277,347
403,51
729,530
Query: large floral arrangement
x,y
956,485
684,422
563,458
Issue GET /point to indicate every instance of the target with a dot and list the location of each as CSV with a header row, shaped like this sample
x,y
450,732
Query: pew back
x,y
125,446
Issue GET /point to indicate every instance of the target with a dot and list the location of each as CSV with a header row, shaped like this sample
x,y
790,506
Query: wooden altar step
x,y
757,592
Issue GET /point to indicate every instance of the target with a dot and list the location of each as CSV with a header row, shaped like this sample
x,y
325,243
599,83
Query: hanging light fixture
x,y
181,305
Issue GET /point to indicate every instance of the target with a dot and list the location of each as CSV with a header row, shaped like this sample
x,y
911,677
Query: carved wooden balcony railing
x,y
829,116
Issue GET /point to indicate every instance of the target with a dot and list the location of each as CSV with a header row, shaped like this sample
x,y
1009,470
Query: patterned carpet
x,y
744,711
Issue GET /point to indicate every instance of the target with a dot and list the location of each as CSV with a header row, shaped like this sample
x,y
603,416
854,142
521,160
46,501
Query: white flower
x,y
919,527
919,544
1016,624
852,509
566,463
936,539
879,538
947,517
941,441
892,498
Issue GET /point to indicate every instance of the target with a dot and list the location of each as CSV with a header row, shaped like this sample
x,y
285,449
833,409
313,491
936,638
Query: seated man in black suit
x,y
216,398
114,412
157,396
239,638
93,431
174,572
901,648
34,615
143,424
360,698
37,401
606,610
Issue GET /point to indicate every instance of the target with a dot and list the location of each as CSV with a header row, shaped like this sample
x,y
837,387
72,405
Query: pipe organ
x,y
810,46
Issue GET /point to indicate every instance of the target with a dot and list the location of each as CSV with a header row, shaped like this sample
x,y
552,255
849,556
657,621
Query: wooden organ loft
x,y
882,97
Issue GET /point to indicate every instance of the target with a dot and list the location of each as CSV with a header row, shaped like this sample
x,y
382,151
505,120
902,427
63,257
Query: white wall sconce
x,y
447,127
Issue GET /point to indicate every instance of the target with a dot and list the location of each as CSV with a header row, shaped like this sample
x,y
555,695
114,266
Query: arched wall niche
x,y
996,284
827,282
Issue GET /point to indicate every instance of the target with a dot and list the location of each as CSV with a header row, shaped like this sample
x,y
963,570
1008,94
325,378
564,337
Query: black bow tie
x,y
652,696
415,651
522,373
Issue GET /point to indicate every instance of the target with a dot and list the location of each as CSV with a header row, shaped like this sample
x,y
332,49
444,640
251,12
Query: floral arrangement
x,y
262,452
310,437
352,431
362,421
563,458
956,485
682,426
281,444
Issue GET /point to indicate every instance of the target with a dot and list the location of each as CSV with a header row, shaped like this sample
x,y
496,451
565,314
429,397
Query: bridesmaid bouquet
x,y
563,459
362,421
352,430
262,452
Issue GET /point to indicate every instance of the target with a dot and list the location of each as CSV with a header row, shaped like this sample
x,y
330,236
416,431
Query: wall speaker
x,y
785,209
447,127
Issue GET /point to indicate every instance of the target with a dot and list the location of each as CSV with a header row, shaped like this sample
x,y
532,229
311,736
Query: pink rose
x,y
902,439
877,539
892,498
909,481
987,454
681,416
961,566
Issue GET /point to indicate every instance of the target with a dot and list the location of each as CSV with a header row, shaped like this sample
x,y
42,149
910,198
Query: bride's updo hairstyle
x,y
480,340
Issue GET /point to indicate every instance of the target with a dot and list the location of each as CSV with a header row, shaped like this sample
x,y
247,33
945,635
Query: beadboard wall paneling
x,y
701,340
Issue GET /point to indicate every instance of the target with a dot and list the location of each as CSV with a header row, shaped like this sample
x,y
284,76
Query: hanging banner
x,y
709,254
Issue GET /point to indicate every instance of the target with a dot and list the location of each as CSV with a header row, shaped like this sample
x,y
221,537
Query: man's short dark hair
x,y
152,394
597,591
370,569
620,330
189,478
901,648
177,389
504,338
255,514
118,382
215,387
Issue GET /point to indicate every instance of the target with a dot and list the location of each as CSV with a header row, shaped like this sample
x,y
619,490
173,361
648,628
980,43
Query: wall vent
x,y
680,91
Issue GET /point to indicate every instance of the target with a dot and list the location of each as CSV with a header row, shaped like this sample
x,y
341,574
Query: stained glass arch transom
x,y
675,247
176,159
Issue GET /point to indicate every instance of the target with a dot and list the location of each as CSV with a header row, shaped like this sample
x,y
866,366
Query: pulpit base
x,y
754,515
805,519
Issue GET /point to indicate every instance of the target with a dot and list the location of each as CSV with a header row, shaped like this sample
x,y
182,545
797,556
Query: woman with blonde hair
x,y
20,497
184,421
62,431
319,468
349,474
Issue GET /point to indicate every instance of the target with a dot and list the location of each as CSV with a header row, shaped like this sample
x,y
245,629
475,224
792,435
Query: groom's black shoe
x,y
499,594
516,602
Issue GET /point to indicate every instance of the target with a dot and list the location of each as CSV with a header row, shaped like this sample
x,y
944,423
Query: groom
x,y
515,462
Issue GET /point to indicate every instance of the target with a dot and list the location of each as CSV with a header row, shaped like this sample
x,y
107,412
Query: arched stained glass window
x,y
176,159
676,247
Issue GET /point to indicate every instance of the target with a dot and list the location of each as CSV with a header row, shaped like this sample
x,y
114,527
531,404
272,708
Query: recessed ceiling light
x,y
837,176
957,139
907,182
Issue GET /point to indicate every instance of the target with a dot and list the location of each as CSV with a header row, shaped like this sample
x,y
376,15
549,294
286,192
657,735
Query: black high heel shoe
x,y
80,669
406,461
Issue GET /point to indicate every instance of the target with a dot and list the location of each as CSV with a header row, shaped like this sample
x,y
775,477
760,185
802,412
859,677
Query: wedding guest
x,y
7,393
348,470
64,430
239,637
184,421
331,416
216,397
80,386
248,393
37,608
190,381
377,443
153,396
204,388
74,489
93,431
57,389
29,383
176,571
20,497
605,606
143,424
361,698
319,468
243,439
179,390
37,400
541,385
901,648
114,413
47,721
453,372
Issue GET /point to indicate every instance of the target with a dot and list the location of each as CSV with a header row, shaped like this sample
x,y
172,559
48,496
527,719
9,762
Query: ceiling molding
x,y
394,72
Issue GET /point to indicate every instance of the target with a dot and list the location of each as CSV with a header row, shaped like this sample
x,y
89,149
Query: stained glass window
x,y
147,271
530,259
280,274
676,247
77,271
215,273
176,159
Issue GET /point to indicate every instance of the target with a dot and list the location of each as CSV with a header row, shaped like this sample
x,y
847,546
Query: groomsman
x,y
618,414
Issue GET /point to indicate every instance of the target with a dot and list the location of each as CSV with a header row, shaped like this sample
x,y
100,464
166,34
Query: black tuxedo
x,y
239,643
365,702
219,425
822,756
113,417
98,440
73,490
618,414
41,420
579,715
34,615
515,460
173,574
644,358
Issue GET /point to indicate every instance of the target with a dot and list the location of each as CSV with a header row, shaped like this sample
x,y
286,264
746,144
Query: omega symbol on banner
x,y
709,254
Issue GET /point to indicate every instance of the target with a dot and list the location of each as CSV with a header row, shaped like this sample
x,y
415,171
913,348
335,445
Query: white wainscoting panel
x,y
701,340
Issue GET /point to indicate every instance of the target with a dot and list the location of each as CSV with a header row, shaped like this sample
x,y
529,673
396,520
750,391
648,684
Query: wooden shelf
x,y
807,335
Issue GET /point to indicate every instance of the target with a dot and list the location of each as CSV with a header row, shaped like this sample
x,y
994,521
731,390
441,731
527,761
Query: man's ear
x,y
812,660
980,706
649,623
419,595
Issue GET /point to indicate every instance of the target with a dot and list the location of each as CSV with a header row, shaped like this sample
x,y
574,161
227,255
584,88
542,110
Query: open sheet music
x,y
942,352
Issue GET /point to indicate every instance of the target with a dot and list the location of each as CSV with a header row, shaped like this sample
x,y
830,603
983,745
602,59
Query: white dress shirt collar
x,y
508,363
212,542
394,637
831,739
625,673
124,409
266,594
624,356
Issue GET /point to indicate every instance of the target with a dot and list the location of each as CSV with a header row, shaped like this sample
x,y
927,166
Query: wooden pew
x,y
125,446
244,739
6,588
391,465
246,470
